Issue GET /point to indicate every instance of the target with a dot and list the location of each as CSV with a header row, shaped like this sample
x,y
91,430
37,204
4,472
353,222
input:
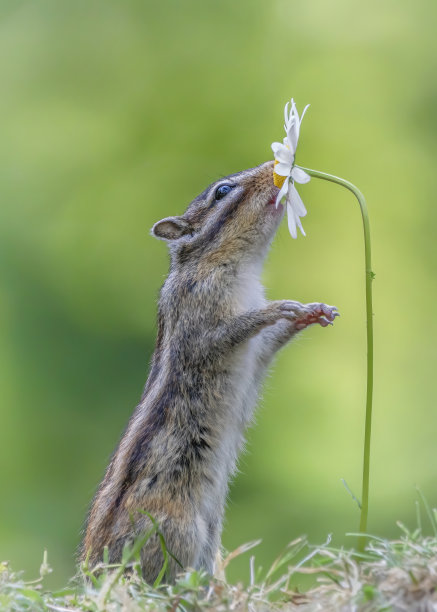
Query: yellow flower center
x,y
278,180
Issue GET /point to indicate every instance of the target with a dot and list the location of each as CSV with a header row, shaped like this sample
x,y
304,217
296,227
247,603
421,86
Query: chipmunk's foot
x,y
322,314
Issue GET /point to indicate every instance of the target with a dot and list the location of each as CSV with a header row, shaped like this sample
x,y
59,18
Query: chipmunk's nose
x,y
265,177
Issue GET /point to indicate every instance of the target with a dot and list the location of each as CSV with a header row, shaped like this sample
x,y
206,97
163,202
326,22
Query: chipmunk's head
x,y
232,221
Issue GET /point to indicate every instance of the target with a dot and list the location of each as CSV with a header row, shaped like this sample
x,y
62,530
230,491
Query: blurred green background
x,y
115,114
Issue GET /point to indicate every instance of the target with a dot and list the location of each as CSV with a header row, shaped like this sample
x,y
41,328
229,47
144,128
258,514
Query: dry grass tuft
x,y
393,575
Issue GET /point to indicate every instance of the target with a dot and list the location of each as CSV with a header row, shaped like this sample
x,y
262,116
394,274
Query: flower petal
x,y
299,224
291,221
293,127
283,192
296,201
299,175
293,135
284,155
283,168
286,113
303,112
276,146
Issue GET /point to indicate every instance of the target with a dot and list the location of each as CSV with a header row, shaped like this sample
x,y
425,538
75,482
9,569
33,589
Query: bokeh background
x,y
115,114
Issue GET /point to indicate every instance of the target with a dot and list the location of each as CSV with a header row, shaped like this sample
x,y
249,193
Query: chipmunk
x,y
216,336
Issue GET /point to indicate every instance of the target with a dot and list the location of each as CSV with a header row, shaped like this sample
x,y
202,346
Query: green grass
x,y
396,574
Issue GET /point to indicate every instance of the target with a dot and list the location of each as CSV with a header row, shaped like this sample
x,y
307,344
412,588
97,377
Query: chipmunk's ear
x,y
171,228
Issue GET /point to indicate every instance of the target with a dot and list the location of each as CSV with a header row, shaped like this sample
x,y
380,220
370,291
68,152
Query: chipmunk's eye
x,y
222,191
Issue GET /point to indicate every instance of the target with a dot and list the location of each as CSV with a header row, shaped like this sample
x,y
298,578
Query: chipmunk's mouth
x,y
272,201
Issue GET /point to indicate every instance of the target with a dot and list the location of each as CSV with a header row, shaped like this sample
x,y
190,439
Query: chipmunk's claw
x,y
324,322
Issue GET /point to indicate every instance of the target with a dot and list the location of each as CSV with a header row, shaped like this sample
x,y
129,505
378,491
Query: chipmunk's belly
x,y
244,384
242,388
239,394
237,386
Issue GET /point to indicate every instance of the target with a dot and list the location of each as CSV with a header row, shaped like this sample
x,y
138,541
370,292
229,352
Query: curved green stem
x,y
369,317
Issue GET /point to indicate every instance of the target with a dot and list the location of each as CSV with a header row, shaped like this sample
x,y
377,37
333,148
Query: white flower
x,y
286,173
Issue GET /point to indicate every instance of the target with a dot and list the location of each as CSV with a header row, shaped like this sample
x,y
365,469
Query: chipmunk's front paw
x,y
288,309
290,306
322,314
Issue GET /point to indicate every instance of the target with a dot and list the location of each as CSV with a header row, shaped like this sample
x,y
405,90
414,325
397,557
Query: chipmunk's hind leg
x,y
211,550
183,541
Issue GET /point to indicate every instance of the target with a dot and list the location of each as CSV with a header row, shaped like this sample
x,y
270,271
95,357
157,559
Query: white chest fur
x,y
245,373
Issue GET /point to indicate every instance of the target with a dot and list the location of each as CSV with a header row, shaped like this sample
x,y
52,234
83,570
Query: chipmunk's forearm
x,y
242,327
273,338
